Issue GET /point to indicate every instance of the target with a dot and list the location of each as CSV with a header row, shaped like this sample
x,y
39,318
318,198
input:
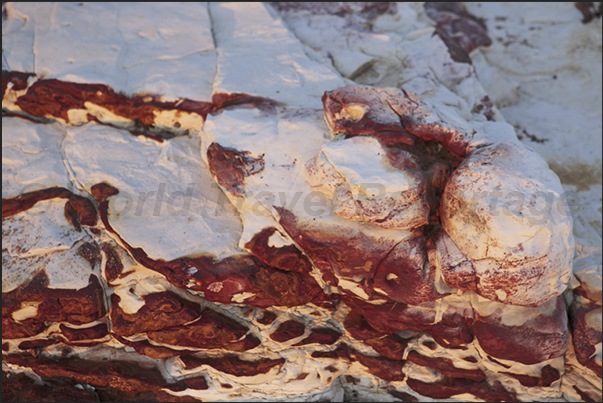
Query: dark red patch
x,y
454,330
91,252
17,330
22,388
403,273
78,209
430,345
392,317
384,368
349,254
539,339
54,98
390,140
301,376
449,387
112,380
199,383
321,335
446,367
405,397
82,334
160,311
583,395
221,101
486,106
230,167
461,32
396,119
77,307
212,330
267,317
359,14
232,364
113,265
147,135
359,328
391,346
414,114
151,350
351,379
39,344
102,191
288,330
330,304
584,337
590,10
287,257
548,376
16,78
284,288
369,9
326,354
372,122
456,275
187,105
498,362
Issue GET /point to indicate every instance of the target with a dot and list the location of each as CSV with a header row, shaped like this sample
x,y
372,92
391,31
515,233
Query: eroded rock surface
x,y
176,230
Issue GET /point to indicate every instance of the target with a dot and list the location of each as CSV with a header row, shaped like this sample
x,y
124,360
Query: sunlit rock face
x,y
371,184
517,252
521,251
200,204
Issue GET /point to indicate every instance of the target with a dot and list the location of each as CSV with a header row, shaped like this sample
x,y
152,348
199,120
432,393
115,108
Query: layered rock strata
x,y
279,234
